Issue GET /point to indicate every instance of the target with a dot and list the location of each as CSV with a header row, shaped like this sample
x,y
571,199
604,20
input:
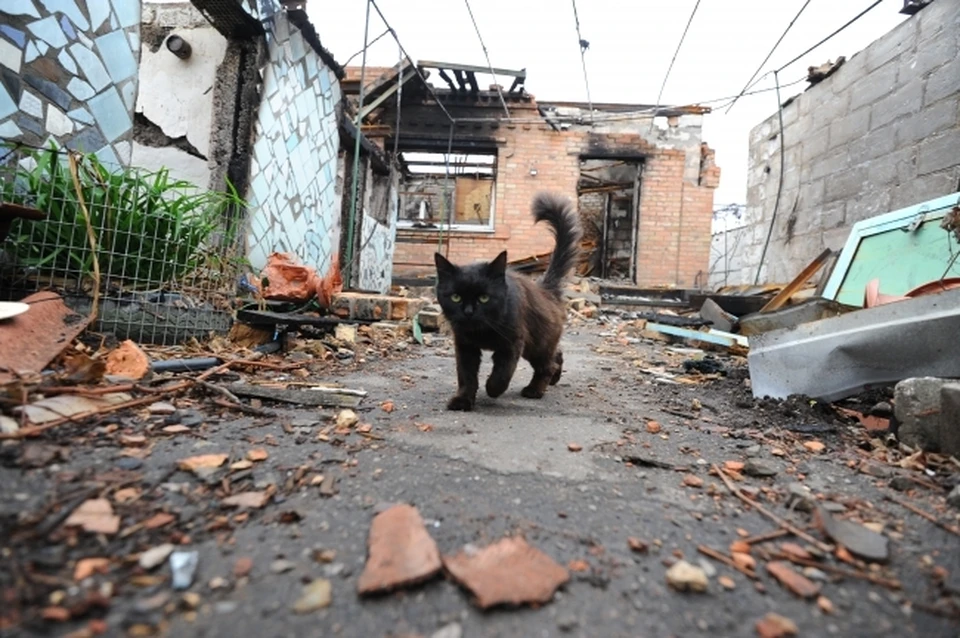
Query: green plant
x,y
150,230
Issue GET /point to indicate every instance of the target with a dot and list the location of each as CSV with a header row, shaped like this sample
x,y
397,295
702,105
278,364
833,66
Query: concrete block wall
x,y
68,74
881,133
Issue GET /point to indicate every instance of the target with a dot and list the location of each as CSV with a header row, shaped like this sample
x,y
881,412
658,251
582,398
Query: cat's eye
x,y
455,298
484,298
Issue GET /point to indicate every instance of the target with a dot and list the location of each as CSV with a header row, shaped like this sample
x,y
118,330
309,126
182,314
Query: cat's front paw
x,y
531,392
460,403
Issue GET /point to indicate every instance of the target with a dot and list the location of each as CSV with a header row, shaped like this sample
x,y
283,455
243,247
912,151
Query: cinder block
x,y
950,419
917,408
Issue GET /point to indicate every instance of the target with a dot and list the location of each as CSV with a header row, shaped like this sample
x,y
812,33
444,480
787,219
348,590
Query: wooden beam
x,y
461,80
446,78
367,108
798,282
472,79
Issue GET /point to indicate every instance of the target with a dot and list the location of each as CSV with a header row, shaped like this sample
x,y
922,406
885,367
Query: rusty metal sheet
x,y
30,341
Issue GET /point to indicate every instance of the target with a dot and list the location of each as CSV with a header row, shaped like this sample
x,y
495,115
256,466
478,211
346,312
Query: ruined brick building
x,y
642,176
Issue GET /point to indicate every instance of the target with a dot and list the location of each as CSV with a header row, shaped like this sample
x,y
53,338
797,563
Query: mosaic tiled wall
x,y
375,269
294,206
68,72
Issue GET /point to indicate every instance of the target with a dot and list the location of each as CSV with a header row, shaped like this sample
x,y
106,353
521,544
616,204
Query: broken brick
x,y
401,551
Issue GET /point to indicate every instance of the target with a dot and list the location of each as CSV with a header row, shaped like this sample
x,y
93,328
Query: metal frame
x,y
903,218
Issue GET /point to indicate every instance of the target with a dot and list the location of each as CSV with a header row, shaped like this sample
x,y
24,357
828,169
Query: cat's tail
x,y
565,223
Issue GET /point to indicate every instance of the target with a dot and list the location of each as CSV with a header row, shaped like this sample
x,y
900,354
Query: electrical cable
x,y
674,59
487,56
776,202
584,45
766,59
372,42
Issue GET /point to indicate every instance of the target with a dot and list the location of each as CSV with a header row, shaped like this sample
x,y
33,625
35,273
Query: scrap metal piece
x,y
837,357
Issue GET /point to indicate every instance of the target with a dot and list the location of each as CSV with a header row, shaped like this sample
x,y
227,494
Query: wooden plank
x,y
322,397
798,282
29,342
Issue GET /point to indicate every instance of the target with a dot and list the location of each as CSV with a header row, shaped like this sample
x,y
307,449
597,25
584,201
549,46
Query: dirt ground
x,y
612,475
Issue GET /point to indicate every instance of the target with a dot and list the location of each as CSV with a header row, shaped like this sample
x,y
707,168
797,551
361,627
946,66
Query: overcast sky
x,y
631,44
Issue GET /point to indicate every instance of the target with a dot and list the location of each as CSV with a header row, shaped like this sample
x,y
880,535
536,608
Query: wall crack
x,y
150,134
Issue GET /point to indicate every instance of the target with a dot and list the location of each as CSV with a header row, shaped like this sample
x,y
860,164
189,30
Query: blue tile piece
x,y
9,130
88,141
32,53
49,90
67,62
80,89
18,36
129,93
324,80
81,115
128,12
70,9
108,158
68,29
49,31
115,52
99,11
7,105
20,8
29,124
91,66
111,114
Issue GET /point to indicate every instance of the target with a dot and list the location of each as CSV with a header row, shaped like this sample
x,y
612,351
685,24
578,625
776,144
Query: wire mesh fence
x,y
155,257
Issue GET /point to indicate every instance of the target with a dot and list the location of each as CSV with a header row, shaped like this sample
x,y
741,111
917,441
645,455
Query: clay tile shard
x,y
401,551
508,572
797,583
95,516
128,361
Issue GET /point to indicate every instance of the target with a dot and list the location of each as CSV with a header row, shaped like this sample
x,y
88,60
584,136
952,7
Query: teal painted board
x,y
903,249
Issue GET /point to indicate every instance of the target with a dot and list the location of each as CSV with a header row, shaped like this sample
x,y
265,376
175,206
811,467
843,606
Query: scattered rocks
x,y
901,483
815,574
567,622
95,516
574,447
860,540
726,582
161,408
508,572
347,419
401,551
686,577
799,497
453,630
315,595
692,480
757,468
155,556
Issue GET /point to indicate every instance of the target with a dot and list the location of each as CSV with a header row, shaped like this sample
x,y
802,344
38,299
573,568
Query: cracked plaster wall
x,y
175,101
68,74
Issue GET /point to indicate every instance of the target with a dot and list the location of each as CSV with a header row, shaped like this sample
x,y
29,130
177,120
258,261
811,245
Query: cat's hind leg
x,y
558,362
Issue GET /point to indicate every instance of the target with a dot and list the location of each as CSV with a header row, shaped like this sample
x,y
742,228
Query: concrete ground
x,y
475,477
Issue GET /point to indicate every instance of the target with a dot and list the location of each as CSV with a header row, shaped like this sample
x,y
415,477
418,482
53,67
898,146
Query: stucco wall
x,y
68,73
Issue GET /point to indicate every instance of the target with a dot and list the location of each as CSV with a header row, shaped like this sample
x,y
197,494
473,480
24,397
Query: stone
x,y
567,622
509,571
683,576
953,498
901,483
315,595
815,574
155,556
799,497
797,583
917,409
128,361
281,566
453,630
754,467
161,408
183,566
8,425
429,318
129,463
95,516
347,418
860,540
401,551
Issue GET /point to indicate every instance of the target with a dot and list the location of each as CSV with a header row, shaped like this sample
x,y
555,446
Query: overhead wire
x,y
415,67
372,42
683,36
747,86
487,56
584,45
776,201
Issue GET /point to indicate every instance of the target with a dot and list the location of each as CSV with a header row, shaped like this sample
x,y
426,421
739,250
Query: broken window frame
x,y
460,164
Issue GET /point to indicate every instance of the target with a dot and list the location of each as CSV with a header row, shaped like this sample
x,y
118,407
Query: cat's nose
x,y
468,310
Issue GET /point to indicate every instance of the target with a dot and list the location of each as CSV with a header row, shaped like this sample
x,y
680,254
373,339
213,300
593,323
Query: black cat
x,y
492,308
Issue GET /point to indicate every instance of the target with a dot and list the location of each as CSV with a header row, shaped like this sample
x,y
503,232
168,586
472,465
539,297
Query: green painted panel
x,y
901,260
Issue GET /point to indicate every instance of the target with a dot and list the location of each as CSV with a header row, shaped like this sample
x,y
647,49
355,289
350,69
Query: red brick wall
x,y
675,215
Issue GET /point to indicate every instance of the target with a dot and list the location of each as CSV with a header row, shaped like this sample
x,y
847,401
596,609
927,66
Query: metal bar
x,y
476,69
351,222
365,111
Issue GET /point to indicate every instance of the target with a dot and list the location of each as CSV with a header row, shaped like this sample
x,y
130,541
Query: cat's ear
x,y
444,267
498,267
